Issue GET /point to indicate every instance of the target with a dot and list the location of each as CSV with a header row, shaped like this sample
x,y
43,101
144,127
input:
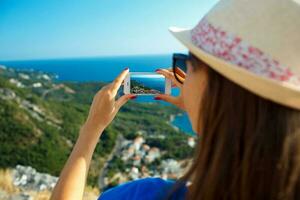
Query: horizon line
x,y
94,56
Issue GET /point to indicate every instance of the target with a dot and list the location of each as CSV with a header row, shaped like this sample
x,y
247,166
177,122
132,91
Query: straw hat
x,y
254,43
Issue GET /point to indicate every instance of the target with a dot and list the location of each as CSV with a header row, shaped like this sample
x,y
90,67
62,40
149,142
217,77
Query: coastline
x,y
171,120
64,75
180,122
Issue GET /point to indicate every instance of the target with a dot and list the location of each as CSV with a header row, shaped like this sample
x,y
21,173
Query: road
x,y
103,171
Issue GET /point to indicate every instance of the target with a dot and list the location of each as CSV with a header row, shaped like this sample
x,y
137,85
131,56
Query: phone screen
x,y
147,83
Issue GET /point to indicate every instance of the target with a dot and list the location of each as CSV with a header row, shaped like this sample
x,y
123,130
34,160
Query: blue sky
x,y
34,29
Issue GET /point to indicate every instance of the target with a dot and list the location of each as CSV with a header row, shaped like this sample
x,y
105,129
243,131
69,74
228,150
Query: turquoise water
x,y
103,69
183,123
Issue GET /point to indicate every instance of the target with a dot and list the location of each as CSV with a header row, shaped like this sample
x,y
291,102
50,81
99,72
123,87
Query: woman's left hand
x,y
105,107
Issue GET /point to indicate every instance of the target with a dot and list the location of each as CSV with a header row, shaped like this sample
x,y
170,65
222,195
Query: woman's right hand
x,y
175,100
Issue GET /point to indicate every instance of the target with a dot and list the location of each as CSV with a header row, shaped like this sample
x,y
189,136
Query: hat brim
x,y
279,92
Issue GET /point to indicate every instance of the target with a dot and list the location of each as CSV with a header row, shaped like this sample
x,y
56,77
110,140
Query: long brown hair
x,y
249,146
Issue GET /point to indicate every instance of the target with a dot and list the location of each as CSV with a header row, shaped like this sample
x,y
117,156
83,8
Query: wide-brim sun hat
x,y
254,43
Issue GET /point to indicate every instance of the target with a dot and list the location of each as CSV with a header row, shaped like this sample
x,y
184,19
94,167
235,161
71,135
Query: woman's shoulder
x,y
144,188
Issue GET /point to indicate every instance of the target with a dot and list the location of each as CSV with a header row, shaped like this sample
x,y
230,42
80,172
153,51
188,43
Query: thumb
x,y
123,99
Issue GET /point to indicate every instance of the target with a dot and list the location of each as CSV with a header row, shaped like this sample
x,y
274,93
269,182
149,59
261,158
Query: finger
x,y
170,76
118,81
167,98
123,99
180,75
179,72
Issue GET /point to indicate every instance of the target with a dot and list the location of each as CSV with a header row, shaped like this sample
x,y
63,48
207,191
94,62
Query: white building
x,y
134,173
44,76
16,82
24,76
191,142
37,85
138,141
153,153
170,166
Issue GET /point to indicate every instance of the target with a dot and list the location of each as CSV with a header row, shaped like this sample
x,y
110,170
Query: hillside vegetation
x,y
40,119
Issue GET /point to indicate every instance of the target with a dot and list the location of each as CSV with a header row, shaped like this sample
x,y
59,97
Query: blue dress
x,y
144,188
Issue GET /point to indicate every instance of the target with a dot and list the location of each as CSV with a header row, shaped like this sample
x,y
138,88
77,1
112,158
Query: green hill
x,y
40,119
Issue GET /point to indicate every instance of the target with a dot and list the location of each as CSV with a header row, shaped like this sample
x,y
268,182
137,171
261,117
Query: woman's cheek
x,y
193,89
188,99
185,94
186,88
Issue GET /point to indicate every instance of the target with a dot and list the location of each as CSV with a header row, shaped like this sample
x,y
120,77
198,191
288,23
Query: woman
x,y
241,91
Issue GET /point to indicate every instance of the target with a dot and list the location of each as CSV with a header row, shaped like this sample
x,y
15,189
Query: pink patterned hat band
x,y
233,49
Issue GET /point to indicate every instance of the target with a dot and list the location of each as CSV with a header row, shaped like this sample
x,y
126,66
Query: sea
x,y
103,69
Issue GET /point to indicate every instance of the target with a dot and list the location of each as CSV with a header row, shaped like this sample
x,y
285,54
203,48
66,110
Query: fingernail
x,y
126,68
133,97
157,70
157,98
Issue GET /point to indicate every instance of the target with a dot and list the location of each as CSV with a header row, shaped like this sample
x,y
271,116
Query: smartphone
x,y
146,83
